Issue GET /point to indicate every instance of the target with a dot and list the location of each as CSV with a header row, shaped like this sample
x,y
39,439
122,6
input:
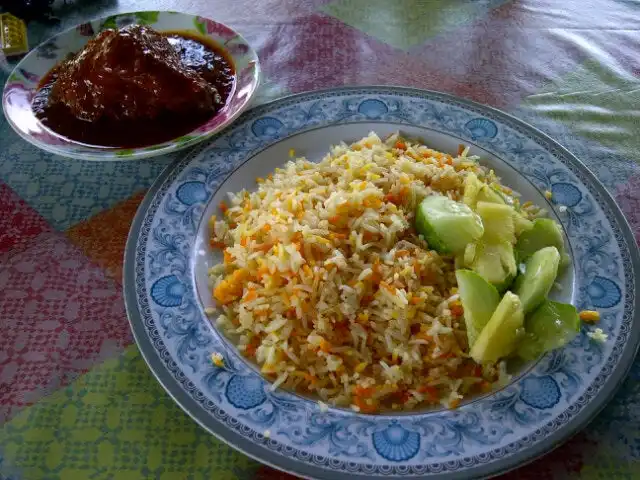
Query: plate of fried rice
x,y
384,282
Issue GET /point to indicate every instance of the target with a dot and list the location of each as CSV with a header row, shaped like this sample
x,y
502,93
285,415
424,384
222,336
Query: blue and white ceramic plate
x,y
166,294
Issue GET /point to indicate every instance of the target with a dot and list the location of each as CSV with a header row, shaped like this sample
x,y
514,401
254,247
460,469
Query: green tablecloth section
x,y
116,422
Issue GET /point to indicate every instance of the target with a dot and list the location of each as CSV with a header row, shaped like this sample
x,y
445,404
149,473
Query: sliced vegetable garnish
x,y
479,300
544,232
447,226
499,338
540,273
552,325
498,222
495,263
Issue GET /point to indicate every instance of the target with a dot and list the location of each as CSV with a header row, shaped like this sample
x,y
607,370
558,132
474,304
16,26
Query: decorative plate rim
x,y
97,153
259,450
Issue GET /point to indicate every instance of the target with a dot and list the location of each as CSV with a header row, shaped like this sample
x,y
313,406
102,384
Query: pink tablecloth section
x,y
76,399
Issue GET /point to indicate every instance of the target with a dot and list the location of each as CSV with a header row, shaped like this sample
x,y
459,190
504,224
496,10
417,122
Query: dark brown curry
x,y
135,87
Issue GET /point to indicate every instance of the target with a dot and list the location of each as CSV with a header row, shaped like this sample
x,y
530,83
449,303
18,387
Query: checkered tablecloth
x,y
77,400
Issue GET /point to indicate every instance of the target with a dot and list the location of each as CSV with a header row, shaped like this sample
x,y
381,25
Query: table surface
x,y
76,399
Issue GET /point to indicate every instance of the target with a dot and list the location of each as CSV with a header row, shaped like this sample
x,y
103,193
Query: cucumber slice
x,y
472,187
552,325
479,300
497,219
540,272
469,253
544,232
446,225
493,257
504,285
495,263
488,194
476,191
499,338
521,224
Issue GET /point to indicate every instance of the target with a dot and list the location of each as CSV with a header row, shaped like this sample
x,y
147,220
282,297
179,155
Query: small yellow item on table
x,y
13,35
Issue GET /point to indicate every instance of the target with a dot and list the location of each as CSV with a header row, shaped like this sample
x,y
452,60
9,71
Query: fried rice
x,y
326,285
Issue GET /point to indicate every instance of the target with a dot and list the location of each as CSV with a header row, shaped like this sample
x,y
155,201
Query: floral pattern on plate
x,y
543,406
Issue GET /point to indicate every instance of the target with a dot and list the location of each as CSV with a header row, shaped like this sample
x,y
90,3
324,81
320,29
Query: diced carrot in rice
x,y
301,311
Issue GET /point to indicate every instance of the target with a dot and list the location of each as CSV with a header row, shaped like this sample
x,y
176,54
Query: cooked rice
x,y
327,287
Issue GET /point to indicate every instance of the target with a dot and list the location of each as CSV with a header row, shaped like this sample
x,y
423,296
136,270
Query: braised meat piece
x,y
131,74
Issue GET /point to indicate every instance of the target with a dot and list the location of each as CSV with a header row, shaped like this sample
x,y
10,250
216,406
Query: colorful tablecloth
x,y
76,399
